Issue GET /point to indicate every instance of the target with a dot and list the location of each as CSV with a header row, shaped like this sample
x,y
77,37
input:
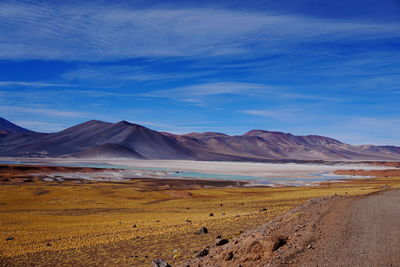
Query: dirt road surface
x,y
333,231
367,233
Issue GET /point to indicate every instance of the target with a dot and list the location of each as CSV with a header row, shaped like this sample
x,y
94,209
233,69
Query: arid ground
x,y
331,231
131,223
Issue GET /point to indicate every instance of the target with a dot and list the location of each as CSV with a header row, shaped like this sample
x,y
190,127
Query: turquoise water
x,y
321,177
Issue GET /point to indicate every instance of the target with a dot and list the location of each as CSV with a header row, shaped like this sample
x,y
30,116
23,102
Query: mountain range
x,y
98,139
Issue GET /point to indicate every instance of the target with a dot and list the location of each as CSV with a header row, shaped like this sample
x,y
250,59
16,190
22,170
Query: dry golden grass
x,y
94,222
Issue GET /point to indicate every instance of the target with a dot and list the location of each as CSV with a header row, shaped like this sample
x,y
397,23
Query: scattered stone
x,y
48,244
211,214
221,242
176,256
237,216
309,246
263,210
201,231
160,263
279,242
202,253
221,205
188,221
134,226
229,256
158,221
9,238
218,237
223,213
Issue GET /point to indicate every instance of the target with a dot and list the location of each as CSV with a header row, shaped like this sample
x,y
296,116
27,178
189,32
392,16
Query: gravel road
x,y
362,232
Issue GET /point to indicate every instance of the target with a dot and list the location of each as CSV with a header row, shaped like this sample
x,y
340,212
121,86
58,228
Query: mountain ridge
x,y
94,139
7,127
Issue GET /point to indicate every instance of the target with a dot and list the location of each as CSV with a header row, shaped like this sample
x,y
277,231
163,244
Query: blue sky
x,y
301,66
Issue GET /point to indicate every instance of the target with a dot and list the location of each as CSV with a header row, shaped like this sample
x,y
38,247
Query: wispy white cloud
x,y
216,88
43,111
99,31
201,94
31,84
117,75
285,114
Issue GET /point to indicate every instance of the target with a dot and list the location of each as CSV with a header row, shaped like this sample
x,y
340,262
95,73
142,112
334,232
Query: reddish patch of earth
x,y
374,173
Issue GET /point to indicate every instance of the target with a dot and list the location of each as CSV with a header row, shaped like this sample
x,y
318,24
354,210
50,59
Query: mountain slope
x,y
143,141
98,139
9,127
108,151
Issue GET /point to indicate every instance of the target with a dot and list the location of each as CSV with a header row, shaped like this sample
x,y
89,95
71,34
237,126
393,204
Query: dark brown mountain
x,y
97,139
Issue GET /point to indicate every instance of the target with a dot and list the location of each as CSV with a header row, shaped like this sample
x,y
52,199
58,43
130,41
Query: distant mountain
x,y
108,151
98,139
88,136
9,127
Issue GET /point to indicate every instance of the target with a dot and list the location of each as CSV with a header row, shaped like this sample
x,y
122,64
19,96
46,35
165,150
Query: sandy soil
x,y
367,234
334,231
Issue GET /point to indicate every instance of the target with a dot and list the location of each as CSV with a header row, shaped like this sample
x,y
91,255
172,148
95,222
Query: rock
x,y
160,263
188,221
221,242
221,205
211,214
202,231
134,226
9,238
223,213
263,210
202,253
48,244
229,256
309,246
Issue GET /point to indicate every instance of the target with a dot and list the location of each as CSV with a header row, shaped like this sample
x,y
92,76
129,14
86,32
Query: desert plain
x,y
132,221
